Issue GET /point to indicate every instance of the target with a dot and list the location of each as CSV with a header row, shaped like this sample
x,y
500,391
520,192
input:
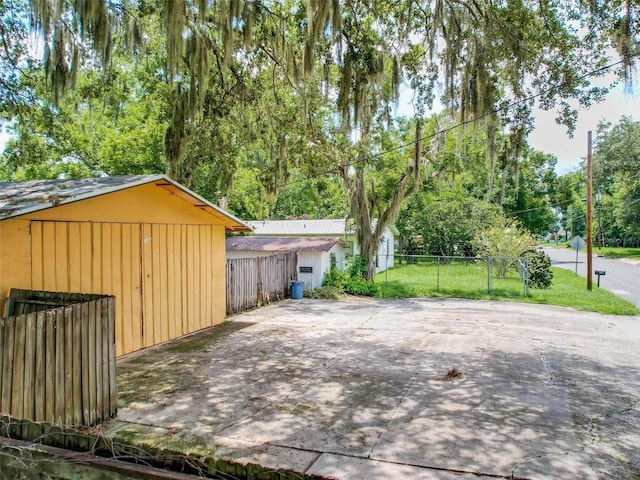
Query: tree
x,y
529,193
14,56
485,55
617,173
111,123
570,201
448,220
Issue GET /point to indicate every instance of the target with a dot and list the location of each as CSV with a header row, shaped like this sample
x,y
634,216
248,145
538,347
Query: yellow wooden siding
x,y
164,277
15,257
149,203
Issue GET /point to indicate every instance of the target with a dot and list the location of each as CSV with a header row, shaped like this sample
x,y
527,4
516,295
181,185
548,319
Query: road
x,y
622,276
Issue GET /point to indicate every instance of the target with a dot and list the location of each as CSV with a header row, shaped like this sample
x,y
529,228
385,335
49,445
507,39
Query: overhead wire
x,y
484,115
501,109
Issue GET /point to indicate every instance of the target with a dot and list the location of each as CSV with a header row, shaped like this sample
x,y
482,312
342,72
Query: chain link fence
x,y
500,276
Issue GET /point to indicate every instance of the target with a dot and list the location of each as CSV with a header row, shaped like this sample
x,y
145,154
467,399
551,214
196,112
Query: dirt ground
x,y
365,388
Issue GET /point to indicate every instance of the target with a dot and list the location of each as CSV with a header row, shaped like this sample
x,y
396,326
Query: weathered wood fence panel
x,y
252,282
58,358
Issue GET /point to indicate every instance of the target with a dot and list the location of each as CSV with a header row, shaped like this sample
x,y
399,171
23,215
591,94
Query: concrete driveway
x,y
358,389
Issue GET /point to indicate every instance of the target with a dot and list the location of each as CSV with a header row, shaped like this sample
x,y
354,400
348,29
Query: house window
x,y
306,269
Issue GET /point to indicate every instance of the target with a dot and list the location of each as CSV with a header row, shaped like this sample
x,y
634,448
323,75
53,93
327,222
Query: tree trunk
x,y
368,234
361,214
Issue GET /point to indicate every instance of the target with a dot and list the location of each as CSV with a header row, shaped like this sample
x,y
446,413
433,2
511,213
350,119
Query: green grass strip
x,y
469,280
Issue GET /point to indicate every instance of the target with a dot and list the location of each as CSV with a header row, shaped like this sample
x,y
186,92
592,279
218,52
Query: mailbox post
x,y
600,273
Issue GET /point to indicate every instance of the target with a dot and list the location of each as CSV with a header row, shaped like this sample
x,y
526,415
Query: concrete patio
x,y
358,389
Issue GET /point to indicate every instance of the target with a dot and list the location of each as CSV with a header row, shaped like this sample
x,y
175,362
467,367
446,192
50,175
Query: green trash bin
x,y
296,289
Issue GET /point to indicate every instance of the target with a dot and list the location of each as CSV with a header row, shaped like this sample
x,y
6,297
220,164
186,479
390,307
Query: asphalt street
x,y
622,276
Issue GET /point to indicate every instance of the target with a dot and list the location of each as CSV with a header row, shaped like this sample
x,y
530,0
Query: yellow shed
x,y
151,242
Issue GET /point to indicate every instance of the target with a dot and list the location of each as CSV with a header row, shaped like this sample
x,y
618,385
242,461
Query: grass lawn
x,y
618,252
470,281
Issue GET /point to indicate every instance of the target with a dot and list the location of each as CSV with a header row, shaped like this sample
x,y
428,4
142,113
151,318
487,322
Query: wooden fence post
x,y
58,358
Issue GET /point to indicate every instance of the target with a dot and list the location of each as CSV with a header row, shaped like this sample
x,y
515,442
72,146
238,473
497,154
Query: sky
x,y
549,137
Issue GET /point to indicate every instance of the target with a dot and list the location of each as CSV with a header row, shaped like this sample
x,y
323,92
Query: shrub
x,y
360,286
351,280
335,278
356,267
540,273
325,293
504,242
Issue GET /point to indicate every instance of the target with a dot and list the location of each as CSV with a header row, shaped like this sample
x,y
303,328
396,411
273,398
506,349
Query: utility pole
x,y
599,207
589,213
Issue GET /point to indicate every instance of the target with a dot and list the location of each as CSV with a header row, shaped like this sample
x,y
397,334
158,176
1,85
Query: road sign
x,y
577,242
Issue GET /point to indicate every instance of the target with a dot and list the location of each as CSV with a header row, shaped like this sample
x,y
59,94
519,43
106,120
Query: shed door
x,y
159,274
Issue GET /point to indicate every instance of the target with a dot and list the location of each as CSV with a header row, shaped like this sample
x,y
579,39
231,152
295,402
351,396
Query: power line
x,y
496,110
505,108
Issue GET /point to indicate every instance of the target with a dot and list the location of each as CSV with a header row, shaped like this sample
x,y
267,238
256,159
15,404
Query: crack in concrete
x,y
545,362
457,471
533,457
593,421
393,414
632,406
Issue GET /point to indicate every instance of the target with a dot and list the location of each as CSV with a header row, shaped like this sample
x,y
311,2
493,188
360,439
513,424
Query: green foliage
x,y
410,249
356,283
504,242
110,124
351,279
361,286
321,197
356,266
616,165
449,220
335,278
325,293
569,200
529,190
540,273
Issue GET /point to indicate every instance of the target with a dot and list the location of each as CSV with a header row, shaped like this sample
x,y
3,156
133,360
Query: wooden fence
x,y
57,358
252,282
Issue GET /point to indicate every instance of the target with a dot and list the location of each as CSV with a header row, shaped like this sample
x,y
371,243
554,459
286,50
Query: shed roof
x,y
275,244
334,226
21,198
327,227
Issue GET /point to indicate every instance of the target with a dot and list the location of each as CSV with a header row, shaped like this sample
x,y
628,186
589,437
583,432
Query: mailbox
x,y
599,273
